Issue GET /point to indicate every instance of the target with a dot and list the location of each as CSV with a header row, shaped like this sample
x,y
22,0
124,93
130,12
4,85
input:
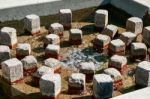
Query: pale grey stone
x,y
4,53
52,49
146,35
56,28
23,49
52,39
75,34
52,63
87,67
102,40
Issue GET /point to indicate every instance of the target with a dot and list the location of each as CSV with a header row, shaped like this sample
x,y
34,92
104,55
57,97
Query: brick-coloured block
x,y
128,37
29,65
102,86
12,70
76,83
135,25
75,36
142,74
110,30
8,36
52,51
118,62
32,24
88,68
22,50
65,18
50,86
146,35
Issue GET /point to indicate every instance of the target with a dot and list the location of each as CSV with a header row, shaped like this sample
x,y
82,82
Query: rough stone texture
x,y
142,74
117,46
135,25
128,37
116,76
102,86
29,65
53,63
52,39
22,50
110,30
32,23
75,36
101,18
52,51
12,70
76,83
50,85
8,36
87,68
56,28
4,53
146,35
138,50
118,62
65,18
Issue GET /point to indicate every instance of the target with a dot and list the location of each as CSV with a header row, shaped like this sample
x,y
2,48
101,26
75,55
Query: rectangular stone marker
x,y
146,35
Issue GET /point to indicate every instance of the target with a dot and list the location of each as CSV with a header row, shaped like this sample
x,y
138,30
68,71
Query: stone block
x,y
8,36
32,24
29,65
146,35
102,86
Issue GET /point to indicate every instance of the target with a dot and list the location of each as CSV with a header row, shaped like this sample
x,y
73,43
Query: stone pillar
x,y
29,65
146,35
102,86
22,50
50,86
8,36
65,18
32,24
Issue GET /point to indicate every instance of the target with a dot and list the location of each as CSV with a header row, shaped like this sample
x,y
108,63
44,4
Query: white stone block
x,y
54,49
87,67
56,28
52,63
52,39
146,35
75,34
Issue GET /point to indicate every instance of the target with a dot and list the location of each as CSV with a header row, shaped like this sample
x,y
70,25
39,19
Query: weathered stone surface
x,y
52,39
50,85
101,18
32,23
29,65
135,25
12,70
110,30
128,37
142,74
56,28
102,86
146,35
65,18
4,53
23,49
138,50
8,37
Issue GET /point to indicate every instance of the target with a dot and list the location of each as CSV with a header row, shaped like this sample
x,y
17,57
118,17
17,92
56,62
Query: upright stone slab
x,y
118,62
22,50
88,68
142,74
29,65
76,83
102,86
51,39
128,37
146,35
12,70
32,24
135,25
40,72
110,30
117,46
4,53
75,36
50,86
53,63
116,76
101,19
138,50
8,36
52,51
57,28
101,42
65,18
